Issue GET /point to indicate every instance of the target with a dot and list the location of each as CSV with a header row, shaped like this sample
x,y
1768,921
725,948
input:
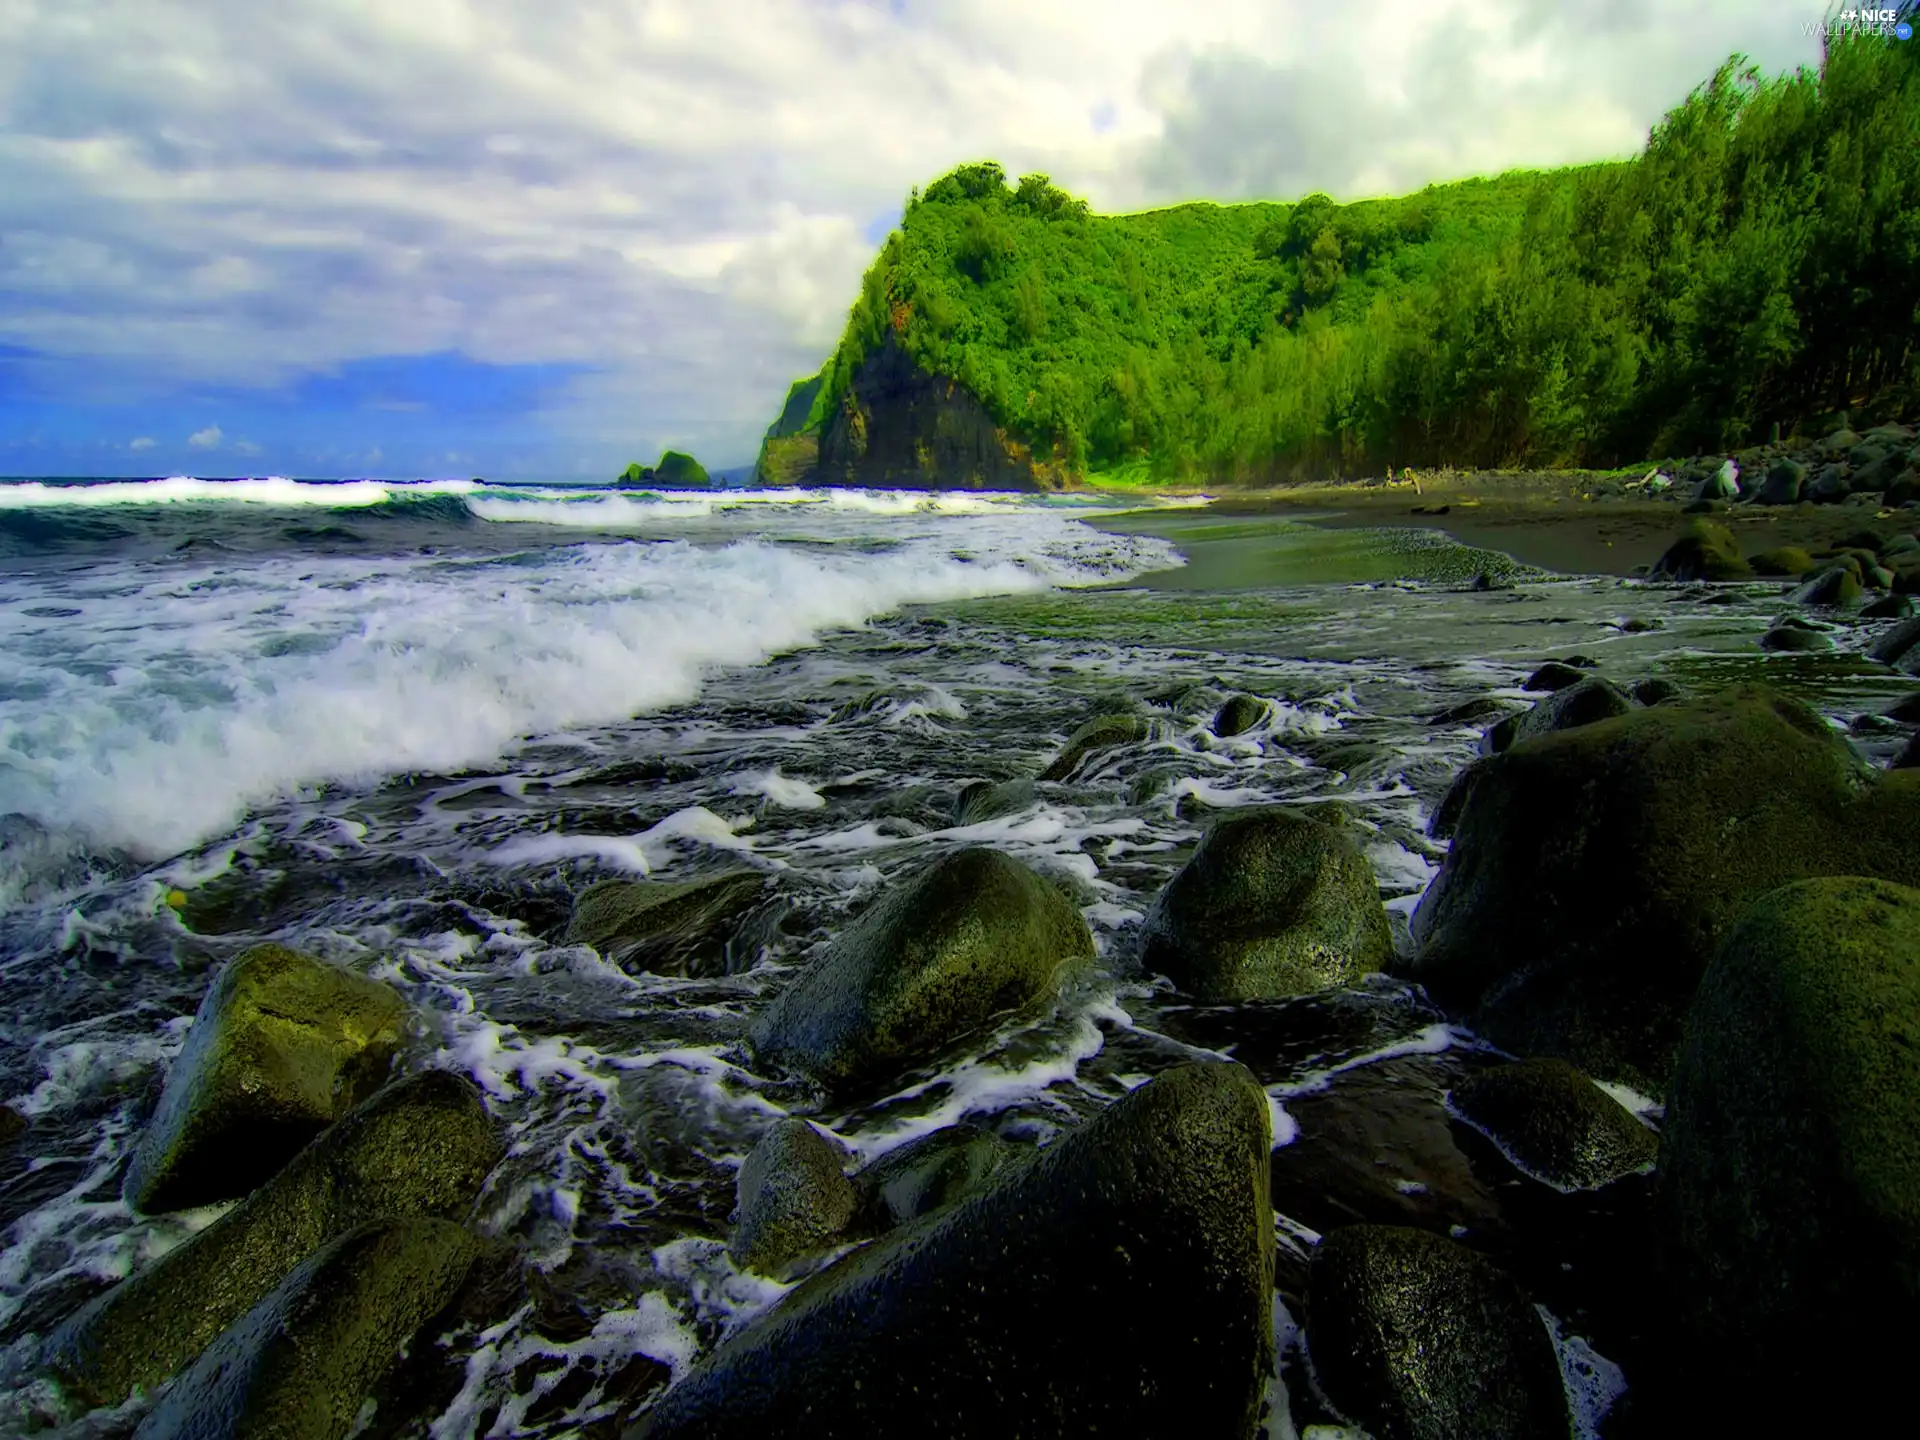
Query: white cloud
x,y
142,442
246,447
207,439
676,193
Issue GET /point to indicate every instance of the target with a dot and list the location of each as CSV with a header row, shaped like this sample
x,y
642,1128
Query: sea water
x,y
399,726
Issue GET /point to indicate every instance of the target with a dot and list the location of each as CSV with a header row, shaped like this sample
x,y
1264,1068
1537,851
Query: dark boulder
x,y
1704,551
1419,1338
794,1198
1118,1283
1790,633
281,1047
1583,703
983,801
12,1124
1274,902
1899,647
1909,758
1553,676
1889,607
1790,1167
1784,560
1555,1124
666,927
302,1363
1594,870
1239,714
929,1174
938,957
1103,732
1835,585
1654,690
1783,483
421,1147
1468,712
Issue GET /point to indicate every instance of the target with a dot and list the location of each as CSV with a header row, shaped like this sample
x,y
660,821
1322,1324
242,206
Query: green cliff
x,y
1757,264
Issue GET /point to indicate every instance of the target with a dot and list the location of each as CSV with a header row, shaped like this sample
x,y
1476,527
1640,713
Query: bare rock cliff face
x,y
902,428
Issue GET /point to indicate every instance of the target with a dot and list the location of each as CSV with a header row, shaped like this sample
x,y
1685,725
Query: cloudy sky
x,y
539,238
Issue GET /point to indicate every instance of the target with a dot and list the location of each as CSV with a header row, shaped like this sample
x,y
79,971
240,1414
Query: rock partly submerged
x,y
1419,1338
665,927
421,1147
1593,871
1119,1282
1103,732
971,937
794,1198
1791,1166
301,1364
281,1047
1555,1124
1274,902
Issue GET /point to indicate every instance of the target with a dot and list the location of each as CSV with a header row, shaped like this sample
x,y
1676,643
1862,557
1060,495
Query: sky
x,y
537,241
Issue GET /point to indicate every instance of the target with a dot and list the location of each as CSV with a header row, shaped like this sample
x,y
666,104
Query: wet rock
x,y
1835,585
1831,485
1419,1338
666,927
1899,647
1654,690
1239,714
1790,1166
930,1174
1150,1221
983,801
1103,732
1909,758
1590,877
1906,709
1704,551
1783,483
303,1361
1785,560
1790,633
1553,676
1889,607
421,1147
794,1198
1487,580
1555,1124
1469,712
940,956
1274,902
1446,815
1591,699
281,1046
12,1124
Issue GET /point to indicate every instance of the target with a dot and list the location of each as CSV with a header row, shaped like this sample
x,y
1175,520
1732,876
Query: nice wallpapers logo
x,y
1862,22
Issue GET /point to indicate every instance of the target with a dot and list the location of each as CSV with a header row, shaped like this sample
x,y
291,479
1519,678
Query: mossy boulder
x,y
1784,482
940,956
794,1198
1118,1283
1899,647
302,1363
1835,585
676,927
421,1147
1555,1124
1554,675
1239,714
1470,712
1103,732
1593,871
1654,690
1790,634
1705,550
1589,699
983,801
281,1047
1782,560
1419,1338
929,1174
1274,902
1790,1170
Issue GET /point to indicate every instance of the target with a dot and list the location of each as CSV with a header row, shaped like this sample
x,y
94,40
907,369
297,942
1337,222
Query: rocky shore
x,y
1673,960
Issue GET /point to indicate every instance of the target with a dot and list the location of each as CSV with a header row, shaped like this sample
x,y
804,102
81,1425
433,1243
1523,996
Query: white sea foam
x,y
782,790
191,693
273,490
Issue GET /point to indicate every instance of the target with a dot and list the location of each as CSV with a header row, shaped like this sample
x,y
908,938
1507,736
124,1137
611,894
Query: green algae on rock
x,y
1120,1282
1419,1338
675,927
301,1363
1274,902
794,1198
1705,551
421,1147
281,1047
967,939
1239,714
1555,1124
1103,732
929,1174
1790,1168
1593,871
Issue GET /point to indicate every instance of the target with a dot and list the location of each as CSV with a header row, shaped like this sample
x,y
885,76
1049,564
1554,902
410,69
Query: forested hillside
x,y
1757,265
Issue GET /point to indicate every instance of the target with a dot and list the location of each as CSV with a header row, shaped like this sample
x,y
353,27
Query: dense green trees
x,y
1759,263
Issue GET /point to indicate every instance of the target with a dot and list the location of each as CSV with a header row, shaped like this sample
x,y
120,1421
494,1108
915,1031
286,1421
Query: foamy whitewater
x,y
400,726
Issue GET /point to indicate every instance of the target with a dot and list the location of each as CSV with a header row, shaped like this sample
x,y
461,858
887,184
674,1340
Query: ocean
x,y
400,726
